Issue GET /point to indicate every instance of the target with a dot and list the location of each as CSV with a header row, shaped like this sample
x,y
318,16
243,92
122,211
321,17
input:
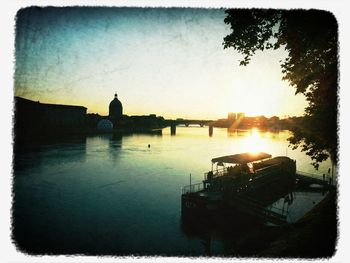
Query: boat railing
x,y
231,170
192,188
215,173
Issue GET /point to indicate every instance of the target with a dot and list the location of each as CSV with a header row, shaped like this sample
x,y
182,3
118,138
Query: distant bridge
x,y
190,122
201,123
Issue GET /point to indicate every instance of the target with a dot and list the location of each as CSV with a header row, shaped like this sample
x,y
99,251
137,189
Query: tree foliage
x,y
311,67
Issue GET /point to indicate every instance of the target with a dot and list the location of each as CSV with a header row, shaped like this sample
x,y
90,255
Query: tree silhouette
x,y
311,67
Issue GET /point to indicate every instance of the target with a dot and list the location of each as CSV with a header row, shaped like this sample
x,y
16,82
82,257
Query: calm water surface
x,y
114,195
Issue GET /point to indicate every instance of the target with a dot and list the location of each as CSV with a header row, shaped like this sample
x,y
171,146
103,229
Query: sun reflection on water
x,y
254,143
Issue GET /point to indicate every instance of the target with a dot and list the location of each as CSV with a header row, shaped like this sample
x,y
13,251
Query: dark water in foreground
x,y
114,195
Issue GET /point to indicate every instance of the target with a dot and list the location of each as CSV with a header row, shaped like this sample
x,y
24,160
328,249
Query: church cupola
x,y
115,109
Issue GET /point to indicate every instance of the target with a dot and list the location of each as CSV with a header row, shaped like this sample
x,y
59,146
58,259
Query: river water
x,y
112,194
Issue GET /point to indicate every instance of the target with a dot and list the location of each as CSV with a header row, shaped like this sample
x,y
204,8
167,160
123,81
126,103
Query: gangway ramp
x,y
254,208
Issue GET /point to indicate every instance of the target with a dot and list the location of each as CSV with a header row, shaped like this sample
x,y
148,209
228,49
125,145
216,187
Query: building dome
x,y
115,109
104,125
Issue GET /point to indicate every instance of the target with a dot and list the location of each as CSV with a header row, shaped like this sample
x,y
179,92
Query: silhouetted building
x,y
231,116
92,119
115,110
35,118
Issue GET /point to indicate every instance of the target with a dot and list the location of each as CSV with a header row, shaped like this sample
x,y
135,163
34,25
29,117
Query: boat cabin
x,y
236,164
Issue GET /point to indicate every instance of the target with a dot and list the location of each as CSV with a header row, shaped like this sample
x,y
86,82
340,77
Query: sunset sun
x,y
254,143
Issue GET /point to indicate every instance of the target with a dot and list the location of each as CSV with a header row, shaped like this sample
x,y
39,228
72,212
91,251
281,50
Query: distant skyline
x,y
164,61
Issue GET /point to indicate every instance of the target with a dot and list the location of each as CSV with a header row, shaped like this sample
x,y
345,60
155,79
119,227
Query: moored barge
x,y
240,184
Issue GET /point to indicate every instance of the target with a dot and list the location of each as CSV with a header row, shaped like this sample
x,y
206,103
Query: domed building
x,y
115,110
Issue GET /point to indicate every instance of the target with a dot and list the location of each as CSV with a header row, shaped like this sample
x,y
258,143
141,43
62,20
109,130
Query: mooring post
x,y
173,128
210,130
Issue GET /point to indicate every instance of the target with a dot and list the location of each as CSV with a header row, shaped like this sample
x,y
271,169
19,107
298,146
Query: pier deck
x,y
309,179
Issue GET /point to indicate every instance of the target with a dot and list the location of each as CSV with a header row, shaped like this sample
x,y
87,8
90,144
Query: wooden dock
x,y
309,179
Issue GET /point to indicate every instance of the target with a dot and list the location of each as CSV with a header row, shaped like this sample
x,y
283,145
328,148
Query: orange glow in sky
x,y
168,62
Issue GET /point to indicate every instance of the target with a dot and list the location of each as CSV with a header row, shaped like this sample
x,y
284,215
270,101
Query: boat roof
x,y
241,158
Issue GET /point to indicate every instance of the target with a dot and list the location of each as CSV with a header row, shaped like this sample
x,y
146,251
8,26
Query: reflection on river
x,y
111,194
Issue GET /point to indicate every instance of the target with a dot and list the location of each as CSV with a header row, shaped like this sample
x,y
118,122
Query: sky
x,y
164,61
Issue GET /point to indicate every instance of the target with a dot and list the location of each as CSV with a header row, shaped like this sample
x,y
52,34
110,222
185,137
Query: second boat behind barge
x,y
241,183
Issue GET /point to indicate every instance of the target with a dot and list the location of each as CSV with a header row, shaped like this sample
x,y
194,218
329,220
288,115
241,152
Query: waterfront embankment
x,y
313,236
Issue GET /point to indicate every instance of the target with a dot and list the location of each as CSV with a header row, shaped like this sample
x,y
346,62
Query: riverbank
x,y
313,236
